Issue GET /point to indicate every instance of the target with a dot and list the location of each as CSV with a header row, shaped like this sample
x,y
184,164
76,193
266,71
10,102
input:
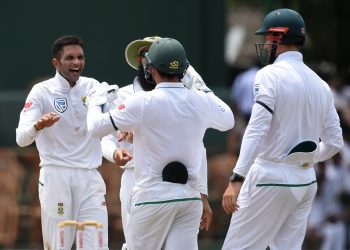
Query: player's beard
x,y
145,84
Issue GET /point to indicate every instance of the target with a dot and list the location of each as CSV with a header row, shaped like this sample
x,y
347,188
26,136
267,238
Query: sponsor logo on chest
x,y
61,104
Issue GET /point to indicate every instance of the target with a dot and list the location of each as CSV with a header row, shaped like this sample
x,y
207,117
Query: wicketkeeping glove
x,y
112,100
193,81
102,94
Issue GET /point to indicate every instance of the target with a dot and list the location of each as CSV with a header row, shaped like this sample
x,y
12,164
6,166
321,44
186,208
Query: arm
x,y
112,152
331,135
221,116
207,214
203,178
99,124
32,120
258,127
109,144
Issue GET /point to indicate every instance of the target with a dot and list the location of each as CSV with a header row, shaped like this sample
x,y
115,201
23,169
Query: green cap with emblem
x,y
168,56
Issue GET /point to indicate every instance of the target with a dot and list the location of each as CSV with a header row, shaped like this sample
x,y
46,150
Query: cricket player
x,y
168,125
113,144
54,116
293,125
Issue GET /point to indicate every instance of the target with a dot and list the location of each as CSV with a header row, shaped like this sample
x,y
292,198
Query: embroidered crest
x,y
83,99
61,104
60,208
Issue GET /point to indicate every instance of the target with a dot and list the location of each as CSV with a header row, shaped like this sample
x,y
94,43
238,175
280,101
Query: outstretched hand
x,y
47,120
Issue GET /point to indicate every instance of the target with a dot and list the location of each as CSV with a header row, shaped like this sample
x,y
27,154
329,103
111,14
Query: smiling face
x,y
70,63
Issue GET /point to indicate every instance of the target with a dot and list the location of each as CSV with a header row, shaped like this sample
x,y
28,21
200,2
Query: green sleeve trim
x,y
167,201
285,185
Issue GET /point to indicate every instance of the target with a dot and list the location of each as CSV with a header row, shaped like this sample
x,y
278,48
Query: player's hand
x,y
121,157
46,121
207,214
126,136
229,199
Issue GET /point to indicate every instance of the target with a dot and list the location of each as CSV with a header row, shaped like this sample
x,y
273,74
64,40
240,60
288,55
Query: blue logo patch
x,y
60,104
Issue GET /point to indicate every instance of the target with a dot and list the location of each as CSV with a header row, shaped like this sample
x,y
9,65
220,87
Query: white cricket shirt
x,y
67,143
168,125
302,108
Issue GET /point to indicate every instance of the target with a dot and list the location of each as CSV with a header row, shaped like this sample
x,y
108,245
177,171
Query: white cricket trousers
x,y
275,202
126,185
167,224
71,194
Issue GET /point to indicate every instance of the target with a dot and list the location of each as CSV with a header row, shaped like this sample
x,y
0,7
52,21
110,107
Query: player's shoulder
x,y
44,84
126,91
83,80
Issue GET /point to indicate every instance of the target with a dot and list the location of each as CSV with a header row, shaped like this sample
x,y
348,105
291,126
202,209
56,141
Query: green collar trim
x,y
285,185
167,201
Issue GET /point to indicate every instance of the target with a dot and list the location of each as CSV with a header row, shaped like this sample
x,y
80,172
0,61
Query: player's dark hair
x,y
170,76
65,40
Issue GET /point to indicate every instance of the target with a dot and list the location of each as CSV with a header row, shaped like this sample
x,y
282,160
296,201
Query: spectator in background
x,y
242,91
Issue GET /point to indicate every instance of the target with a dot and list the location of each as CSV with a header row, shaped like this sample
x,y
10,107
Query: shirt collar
x,y
170,85
63,84
290,55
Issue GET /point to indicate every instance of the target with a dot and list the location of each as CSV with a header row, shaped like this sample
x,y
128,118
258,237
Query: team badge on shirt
x,y
60,104
121,106
27,106
83,99
60,208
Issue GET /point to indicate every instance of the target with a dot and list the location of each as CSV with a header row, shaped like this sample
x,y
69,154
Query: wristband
x,y
236,177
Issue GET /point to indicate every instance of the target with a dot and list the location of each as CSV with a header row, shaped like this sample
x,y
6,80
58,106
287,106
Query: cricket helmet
x,y
283,26
286,24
